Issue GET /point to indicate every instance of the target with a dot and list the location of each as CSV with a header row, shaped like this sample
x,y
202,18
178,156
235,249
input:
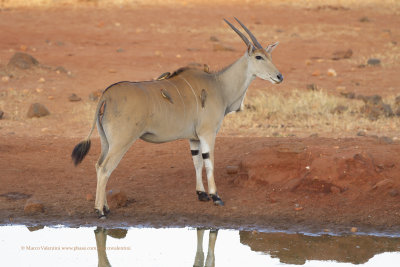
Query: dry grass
x,y
302,113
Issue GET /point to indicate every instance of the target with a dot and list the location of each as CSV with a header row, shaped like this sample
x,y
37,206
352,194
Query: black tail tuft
x,y
80,151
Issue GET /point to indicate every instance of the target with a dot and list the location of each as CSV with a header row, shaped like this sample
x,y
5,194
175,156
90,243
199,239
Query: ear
x,y
250,49
271,47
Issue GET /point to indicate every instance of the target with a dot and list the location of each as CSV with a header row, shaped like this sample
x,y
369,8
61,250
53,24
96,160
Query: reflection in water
x,y
298,248
38,246
199,259
101,240
101,243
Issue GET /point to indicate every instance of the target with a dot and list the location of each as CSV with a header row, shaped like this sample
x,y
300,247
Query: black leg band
x,y
194,152
206,155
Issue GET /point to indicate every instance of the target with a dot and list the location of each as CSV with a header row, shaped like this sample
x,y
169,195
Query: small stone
x,y
39,90
33,206
354,229
42,80
342,54
22,61
361,133
298,208
74,98
116,198
374,61
5,78
220,47
120,50
316,73
89,197
327,230
332,73
232,169
393,193
214,39
112,71
50,97
60,69
1,114
364,19
37,110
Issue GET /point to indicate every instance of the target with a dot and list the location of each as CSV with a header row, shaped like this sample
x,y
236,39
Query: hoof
x,y
106,210
100,215
217,200
203,196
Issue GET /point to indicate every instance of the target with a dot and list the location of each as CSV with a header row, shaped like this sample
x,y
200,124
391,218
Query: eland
x,y
187,104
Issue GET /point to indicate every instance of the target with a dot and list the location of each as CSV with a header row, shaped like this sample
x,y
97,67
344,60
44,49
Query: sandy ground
x,y
287,183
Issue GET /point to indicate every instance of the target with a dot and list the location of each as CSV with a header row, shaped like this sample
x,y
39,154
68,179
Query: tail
x,y
81,149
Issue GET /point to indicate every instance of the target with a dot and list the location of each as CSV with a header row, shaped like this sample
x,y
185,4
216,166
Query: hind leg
x,y
195,149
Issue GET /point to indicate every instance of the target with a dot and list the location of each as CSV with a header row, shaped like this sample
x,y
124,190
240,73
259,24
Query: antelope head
x,y
259,59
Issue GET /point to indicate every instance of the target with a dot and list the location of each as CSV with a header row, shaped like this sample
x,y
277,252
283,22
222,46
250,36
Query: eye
x,y
259,58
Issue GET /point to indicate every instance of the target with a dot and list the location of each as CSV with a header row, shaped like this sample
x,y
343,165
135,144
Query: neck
x,y
234,81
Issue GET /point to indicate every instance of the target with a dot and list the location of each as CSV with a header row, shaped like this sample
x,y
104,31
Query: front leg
x,y
207,147
198,165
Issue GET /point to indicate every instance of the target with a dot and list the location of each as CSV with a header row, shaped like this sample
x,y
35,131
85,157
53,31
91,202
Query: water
x,y
61,246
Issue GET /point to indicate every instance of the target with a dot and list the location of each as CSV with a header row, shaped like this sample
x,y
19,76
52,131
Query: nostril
x,y
280,77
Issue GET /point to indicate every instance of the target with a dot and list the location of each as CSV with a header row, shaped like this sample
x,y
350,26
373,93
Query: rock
x,y
361,133
37,110
374,62
364,19
120,50
214,39
354,229
220,47
60,69
232,169
22,61
1,114
341,54
41,80
331,72
33,206
393,193
116,199
316,73
383,183
89,197
74,98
